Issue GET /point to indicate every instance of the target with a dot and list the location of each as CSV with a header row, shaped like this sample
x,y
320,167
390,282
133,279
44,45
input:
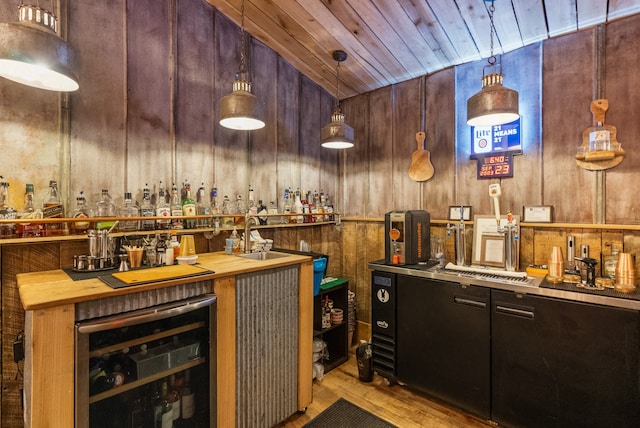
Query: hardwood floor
x,y
396,404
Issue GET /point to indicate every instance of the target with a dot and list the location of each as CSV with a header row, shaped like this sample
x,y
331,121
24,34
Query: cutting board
x,y
144,276
421,168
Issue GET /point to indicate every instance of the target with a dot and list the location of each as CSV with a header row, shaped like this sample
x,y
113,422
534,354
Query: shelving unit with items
x,y
336,290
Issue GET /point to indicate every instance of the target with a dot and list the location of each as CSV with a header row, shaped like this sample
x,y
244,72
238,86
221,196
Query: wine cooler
x,y
148,368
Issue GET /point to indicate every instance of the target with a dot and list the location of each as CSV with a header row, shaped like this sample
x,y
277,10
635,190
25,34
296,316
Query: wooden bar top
x,y
47,289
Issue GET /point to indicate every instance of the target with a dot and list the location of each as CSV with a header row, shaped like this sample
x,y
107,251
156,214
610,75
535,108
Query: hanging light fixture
x,y
237,110
337,134
494,104
32,53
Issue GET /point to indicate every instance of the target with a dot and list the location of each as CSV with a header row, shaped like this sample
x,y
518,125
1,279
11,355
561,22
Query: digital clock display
x,y
495,166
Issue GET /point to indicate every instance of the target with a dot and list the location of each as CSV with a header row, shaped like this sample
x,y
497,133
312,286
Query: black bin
x,y
365,361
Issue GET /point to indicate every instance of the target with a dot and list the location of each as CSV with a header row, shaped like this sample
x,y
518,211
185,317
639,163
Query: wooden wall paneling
x,y
380,184
355,163
544,240
231,146
263,156
526,241
194,98
567,92
150,95
330,172
440,112
523,71
406,113
622,84
98,120
17,259
288,102
310,127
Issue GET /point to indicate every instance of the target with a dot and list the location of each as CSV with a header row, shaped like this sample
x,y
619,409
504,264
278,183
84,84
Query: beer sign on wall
x,y
494,147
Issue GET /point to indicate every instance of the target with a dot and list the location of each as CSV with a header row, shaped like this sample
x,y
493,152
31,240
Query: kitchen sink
x,y
264,255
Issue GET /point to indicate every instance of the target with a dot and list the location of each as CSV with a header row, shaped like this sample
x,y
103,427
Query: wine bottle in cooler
x,y
174,397
188,410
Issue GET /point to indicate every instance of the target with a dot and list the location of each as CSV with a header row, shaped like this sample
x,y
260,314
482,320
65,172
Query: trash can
x,y
365,363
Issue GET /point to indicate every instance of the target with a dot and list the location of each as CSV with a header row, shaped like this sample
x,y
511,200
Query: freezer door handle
x,y
518,312
470,302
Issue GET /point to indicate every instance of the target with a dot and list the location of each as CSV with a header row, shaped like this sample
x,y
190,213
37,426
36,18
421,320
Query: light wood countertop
x,y
46,289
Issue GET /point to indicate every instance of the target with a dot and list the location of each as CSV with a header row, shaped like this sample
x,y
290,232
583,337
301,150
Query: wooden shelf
x,y
136,383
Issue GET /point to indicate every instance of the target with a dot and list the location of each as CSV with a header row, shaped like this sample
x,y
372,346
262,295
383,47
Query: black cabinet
x,y
557,363
337,336
443,341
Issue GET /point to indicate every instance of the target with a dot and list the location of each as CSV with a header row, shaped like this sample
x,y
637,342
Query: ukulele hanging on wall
x,y
421,168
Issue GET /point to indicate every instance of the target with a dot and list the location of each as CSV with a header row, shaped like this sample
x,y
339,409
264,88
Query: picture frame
x,y
454,212
486,224
492,250
537,213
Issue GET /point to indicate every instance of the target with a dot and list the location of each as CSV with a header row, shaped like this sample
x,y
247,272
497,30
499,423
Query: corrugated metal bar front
x,y
267,347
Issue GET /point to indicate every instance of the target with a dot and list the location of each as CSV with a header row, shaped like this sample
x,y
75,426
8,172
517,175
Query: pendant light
x,y
494,104
32,53
237,110
337,134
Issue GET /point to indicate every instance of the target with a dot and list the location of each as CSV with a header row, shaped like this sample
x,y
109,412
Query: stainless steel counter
x,y
518,283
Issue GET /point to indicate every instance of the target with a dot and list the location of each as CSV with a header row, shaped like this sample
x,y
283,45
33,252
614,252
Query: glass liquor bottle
x,y
214,206
202,206
227,209
7,212
81,211
105,208
253,208
297,209
53,208
262,211
30,211
286,206
273,209
163,209
176,208
240,209
147,210
188,208
128,209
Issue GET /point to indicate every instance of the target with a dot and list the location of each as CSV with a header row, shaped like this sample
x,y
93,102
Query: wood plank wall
x,y
152,74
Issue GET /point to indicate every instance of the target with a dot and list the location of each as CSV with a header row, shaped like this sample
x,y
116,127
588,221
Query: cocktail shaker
x,y
556,265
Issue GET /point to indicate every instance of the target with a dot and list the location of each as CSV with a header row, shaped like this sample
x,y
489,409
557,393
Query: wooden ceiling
x,y
389,41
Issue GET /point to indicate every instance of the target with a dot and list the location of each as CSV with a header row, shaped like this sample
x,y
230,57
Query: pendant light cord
x,y
242,42
338,85
492,9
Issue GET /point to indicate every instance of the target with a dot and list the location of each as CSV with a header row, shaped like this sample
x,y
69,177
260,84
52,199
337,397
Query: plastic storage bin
x,y
319,266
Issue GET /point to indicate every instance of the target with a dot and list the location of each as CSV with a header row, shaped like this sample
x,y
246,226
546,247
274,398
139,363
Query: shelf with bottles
x,y
35,229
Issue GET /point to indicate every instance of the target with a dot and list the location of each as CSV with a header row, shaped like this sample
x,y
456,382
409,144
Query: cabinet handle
x,y
523,313
469,302
147,315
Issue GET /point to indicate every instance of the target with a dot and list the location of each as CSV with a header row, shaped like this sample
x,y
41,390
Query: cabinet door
x,y
443,341
558,364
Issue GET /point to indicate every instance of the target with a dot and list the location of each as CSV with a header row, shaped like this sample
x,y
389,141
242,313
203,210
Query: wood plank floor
x,y
396,404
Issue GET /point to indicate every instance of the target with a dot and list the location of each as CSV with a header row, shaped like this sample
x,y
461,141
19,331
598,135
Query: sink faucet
x,y
248,219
